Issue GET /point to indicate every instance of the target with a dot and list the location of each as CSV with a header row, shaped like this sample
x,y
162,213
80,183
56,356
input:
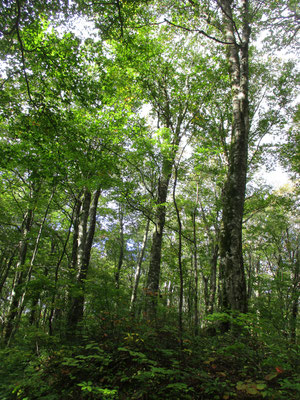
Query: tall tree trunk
x,y
76,222
295,299
234,293
171,140
152,285
180,309
210,284
86,230
139,267
121,247
196,271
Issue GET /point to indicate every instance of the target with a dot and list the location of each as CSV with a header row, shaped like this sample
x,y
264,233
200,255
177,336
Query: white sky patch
x,y
276,178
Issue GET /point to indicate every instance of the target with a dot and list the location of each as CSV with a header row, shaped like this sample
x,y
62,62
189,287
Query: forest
x,y
144,252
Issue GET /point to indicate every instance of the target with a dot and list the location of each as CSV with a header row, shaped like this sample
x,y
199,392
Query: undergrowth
x,y
126,359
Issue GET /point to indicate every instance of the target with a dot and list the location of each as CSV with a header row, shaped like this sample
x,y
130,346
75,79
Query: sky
x,y
276,178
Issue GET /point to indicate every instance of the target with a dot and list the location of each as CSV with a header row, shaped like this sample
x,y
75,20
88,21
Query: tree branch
x,y
230,19
198,31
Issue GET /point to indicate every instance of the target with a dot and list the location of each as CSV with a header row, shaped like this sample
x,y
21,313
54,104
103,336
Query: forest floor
x,y
128,359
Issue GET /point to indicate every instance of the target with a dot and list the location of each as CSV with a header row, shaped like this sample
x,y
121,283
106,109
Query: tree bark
x,y
295,299
152,285
121,248
6,268
196,271
19,278
32,261
213,278
234,293
179,255
52,306
210,284
139,268
86,230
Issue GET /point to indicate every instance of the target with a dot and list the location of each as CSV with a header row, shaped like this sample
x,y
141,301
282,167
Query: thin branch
x,y
262,208
198,31
147,24
258,104
230,19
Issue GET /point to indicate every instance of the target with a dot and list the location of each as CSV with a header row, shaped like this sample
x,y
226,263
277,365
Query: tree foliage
x,y
141,256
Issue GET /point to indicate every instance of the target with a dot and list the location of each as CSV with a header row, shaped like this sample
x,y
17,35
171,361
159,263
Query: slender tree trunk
x,y
196,269
52,306
35,313
74,254
234,292
180,309
32,260
20,277
205,281
169,294
121,247
196,274
295,299
139,267
169,150
86,230
213,279
250,271
75,313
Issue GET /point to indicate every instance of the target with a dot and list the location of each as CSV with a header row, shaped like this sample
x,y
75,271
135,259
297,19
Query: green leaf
x,y
261,386
252,390
241,386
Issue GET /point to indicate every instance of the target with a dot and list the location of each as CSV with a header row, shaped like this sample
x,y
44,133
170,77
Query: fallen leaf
x,y
271,376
